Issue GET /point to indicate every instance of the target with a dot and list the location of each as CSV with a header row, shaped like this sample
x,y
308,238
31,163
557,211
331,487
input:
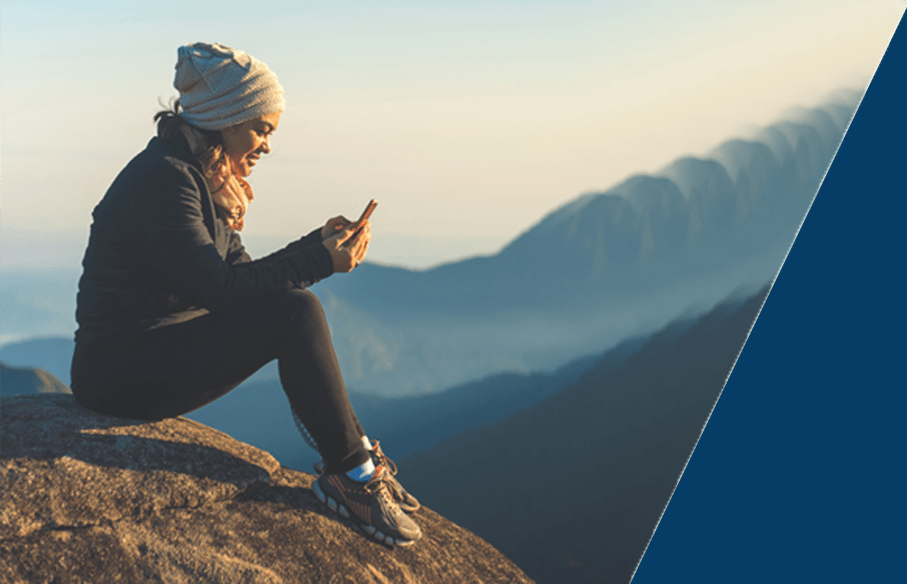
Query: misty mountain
x,y
571,488
53,355
743,202
18,381
258,412
599,269
605,267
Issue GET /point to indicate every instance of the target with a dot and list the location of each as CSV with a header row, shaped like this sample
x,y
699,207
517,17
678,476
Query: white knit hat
x,y
221,87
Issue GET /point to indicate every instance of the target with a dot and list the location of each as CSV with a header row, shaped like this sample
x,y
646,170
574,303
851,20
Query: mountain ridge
x,y
590,273
573,486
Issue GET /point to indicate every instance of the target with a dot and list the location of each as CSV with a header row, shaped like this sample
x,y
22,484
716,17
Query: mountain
x,y
571,488
52,354
258,413
605,267
17,381
742,202
93,498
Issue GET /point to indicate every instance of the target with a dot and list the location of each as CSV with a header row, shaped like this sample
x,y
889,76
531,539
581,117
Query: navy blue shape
x,y
800,473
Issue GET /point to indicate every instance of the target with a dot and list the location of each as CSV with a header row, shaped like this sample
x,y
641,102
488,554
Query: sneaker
x,y
370,504
407,502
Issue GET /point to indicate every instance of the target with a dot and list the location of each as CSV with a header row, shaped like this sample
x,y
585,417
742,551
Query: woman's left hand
x,y
333,226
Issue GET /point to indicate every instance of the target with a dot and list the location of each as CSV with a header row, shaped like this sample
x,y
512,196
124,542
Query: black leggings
x,y
179,368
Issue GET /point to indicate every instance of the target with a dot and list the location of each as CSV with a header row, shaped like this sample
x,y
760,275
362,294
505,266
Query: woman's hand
x,y
333,225
348,250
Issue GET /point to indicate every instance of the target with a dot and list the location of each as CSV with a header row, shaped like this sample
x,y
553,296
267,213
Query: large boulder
x,y
91,498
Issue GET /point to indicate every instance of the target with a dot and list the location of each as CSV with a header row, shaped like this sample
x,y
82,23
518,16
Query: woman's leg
x,y
180,368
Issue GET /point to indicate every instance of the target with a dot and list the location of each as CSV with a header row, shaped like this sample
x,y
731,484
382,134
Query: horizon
x,y
38,250
511,112
48,295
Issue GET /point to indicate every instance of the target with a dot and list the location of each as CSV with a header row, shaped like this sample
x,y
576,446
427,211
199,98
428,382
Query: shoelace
x,y
383,458
386,491
379,481
388,464
397,490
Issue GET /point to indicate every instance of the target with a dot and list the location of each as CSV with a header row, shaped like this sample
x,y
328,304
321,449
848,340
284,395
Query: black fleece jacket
x,y
159,253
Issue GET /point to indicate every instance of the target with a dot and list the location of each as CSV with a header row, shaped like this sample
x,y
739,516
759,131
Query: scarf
x,y
230,192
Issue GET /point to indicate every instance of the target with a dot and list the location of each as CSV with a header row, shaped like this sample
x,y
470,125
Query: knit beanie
x,y
221,87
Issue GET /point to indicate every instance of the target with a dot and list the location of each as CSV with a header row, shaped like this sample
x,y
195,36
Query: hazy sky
x,y
468,121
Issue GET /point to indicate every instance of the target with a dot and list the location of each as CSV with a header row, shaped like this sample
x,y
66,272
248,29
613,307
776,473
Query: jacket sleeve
x,y
233,256
236,251
170,219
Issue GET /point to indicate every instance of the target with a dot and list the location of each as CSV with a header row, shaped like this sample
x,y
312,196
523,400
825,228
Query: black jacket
x,y
159,253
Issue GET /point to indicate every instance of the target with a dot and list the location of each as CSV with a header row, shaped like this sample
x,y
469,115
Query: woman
x,y
173,313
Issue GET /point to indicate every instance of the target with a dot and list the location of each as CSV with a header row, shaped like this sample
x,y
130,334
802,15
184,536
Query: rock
x,y
24,380
91,498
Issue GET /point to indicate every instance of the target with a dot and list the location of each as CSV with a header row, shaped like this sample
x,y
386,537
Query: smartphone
x,y
368,211
365,215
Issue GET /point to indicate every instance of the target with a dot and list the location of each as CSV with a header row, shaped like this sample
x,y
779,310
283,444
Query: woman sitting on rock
x,y
173,313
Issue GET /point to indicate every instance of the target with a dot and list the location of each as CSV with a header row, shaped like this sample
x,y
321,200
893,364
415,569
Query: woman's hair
x,y
170,125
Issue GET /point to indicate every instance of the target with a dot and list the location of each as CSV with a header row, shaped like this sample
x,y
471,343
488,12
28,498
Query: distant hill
x,y
605,267
599,269
741,202
258,413
572,487
53,354
18,381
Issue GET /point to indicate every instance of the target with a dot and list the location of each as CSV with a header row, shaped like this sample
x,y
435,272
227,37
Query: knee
x,y
303,302
304,317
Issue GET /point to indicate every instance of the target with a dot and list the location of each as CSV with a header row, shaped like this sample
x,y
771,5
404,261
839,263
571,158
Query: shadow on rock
x,y
113,499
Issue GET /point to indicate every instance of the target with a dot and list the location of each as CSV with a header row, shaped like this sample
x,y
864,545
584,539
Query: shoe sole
x,y
369,530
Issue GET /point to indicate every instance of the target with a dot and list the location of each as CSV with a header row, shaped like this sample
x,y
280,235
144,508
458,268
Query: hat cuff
x,y
218,118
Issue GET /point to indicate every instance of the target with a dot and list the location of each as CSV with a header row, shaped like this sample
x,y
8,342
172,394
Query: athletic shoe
x,y
370,504
407,502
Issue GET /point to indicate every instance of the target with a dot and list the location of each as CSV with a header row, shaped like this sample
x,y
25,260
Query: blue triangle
x,y
800,474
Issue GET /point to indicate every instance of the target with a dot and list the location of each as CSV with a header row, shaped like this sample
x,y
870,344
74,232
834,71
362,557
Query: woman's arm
x,y
172,226
236,253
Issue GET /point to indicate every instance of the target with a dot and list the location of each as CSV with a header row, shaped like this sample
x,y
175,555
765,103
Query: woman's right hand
x,y
333,225
348,250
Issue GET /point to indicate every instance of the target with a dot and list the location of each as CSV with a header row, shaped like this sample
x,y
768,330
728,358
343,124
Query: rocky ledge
x,y
91,498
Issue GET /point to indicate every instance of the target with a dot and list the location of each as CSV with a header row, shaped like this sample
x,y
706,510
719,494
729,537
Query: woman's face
x,y
245,143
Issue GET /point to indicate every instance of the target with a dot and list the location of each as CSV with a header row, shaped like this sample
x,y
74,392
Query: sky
x,y
467,121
